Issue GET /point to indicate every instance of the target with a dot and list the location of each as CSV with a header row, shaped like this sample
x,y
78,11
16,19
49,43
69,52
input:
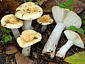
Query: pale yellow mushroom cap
x,y
28,38
45,20
28,11
10,21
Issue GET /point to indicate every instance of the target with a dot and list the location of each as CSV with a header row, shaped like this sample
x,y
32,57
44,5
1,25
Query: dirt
x,y
42,58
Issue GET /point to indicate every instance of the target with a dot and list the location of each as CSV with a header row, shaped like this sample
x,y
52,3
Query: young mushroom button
x,y
28,12
64,19
73,39
10,21
28,38
44,20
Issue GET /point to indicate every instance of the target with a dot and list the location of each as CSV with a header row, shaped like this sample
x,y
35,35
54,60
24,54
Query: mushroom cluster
x,y
64,19
29,11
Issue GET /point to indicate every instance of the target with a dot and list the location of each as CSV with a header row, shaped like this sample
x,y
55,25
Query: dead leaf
x,y
20,59
83,1
48,6
83,38
41,2
77,5
8,6
50,3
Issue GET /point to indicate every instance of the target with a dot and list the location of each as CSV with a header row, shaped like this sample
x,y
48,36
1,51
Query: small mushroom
x,y
10,49
28,38
45,20
73,39
10,21
28,12
64,19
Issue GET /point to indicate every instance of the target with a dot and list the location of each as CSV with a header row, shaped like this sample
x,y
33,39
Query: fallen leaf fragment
x,y
77,58
83,38
50,3
20,59
10,49
8,6
41,2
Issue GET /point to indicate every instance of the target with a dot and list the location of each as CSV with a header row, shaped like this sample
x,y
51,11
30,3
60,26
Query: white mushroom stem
x,y
64,49
26,51
16,33
44,27
27,25
52,42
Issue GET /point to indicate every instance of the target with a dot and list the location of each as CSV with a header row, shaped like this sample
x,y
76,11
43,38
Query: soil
x,y
42,58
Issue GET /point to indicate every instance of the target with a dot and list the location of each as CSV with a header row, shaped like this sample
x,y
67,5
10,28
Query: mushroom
x,y
45,20
28,12
64,19
28,38
73,39
10,21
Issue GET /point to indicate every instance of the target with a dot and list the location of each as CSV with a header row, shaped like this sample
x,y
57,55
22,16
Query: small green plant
x,y
6,36
83,21
0,0
67,4
79,30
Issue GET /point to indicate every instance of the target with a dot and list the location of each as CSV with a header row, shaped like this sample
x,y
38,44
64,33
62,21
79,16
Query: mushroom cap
x,y
28,11
67,17
45,20
59,13
73,36
28,38
10,21
72,19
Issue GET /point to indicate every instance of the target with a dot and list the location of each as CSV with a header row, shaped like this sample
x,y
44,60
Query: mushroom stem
x,y
16,33
44,27
52,42
26,51
27,25
62,51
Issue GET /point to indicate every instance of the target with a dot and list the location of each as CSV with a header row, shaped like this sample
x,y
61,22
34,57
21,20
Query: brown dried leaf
x,y
8,6
20,59
48,6
50,3
41,2
77,5
83,38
